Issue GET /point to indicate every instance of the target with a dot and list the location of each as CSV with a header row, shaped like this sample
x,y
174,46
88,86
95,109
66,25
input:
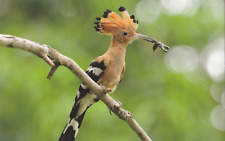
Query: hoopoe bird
x,y
108,69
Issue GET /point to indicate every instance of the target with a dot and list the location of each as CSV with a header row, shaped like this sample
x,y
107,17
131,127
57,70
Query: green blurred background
x,y
174,96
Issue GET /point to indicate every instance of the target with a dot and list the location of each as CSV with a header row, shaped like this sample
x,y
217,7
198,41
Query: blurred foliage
x,y
168,104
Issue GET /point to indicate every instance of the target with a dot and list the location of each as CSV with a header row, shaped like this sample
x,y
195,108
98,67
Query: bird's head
x,y
123,29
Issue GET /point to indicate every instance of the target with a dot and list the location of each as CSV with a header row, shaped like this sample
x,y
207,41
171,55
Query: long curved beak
x,y
156,43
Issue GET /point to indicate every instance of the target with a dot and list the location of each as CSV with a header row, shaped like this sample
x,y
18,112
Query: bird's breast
x,y
111,76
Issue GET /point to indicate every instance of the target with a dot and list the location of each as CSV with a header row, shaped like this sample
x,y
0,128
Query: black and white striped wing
x,y
82,102
94,71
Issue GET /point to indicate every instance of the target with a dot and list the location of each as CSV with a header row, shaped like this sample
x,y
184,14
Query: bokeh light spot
x,y
174,7
217,117
216,8
182,59
213,60
147,11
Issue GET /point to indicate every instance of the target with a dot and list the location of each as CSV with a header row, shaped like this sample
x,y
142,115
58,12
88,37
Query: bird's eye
x,y
124,33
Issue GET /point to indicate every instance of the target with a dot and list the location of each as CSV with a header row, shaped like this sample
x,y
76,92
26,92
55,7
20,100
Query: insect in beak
x,y
156,43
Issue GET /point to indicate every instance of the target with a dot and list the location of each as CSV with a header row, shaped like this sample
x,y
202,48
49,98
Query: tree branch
x,y
55,59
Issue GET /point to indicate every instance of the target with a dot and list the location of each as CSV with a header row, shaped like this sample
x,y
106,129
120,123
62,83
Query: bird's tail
x,y
83,101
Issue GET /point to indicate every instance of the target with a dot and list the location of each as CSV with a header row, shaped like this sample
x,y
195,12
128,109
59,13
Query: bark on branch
x,y
55,59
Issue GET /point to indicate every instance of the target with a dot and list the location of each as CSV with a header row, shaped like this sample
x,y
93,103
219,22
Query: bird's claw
x,y
106,90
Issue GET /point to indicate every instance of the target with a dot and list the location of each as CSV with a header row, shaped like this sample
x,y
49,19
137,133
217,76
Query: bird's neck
x,y
117,49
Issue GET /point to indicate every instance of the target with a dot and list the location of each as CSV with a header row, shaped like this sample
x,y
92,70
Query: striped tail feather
x,y
83,101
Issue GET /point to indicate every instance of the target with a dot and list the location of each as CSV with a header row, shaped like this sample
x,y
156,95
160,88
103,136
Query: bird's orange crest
x,y
111,23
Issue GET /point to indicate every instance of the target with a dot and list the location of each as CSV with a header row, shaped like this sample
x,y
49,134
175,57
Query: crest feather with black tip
x,y
112,22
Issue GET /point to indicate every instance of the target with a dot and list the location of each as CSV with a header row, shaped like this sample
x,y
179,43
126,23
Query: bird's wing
x,y
83,100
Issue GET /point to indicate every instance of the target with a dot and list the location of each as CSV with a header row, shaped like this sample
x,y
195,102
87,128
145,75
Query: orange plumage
x,y
112,22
